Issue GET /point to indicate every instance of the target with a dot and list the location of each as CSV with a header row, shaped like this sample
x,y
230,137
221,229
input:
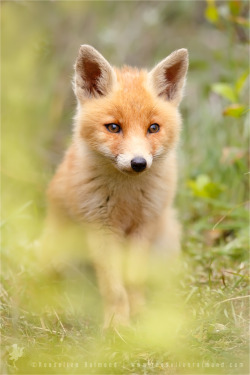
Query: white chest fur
x,y
123,203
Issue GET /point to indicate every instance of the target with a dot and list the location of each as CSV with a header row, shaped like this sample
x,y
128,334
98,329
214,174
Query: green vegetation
x,y
196,318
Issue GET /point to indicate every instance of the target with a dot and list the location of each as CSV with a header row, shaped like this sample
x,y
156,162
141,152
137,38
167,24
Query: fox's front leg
x,y
61,241
167,238
108,258
115,298
136,273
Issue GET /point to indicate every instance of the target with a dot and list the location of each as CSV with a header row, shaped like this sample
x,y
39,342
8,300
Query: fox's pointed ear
x,y
94,77
168,77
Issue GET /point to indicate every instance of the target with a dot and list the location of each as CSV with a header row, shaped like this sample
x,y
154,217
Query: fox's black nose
x,y
138,164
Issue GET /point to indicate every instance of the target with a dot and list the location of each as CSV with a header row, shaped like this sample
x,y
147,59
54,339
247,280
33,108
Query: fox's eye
x,y
154,128
113,128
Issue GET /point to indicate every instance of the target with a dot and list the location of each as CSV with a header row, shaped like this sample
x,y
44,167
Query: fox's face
x,y
130,117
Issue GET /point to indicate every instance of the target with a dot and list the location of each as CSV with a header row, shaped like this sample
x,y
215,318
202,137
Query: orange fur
x,y
95,182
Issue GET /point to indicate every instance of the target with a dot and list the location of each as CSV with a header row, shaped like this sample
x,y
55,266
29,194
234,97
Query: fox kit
x,y
120,172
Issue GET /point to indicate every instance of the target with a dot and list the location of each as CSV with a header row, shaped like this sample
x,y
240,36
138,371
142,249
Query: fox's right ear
x,y
94,77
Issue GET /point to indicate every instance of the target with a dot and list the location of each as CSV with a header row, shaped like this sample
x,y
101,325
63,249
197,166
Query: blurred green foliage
x,y
203,187
222,15
197,310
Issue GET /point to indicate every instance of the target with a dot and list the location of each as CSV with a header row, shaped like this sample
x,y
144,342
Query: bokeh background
x,y
198,314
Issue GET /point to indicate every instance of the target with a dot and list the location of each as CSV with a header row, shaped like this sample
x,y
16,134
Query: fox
x,y
120,170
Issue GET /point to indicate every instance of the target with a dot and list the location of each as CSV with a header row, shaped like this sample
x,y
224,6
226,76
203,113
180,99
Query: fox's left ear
x,y
168,77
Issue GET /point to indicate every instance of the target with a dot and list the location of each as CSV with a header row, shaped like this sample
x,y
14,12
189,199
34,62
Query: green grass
x,y
197,314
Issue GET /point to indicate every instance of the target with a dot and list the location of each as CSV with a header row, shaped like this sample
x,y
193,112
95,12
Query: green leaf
x,y
234,110
211,13
203,187
235,7
241,81
225,90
